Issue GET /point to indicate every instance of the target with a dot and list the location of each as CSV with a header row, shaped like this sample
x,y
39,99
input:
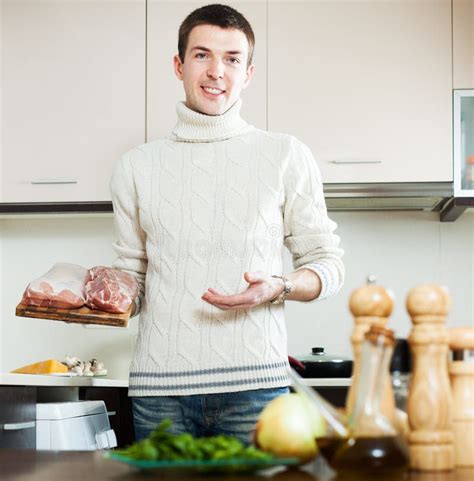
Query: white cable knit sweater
x,y
196,210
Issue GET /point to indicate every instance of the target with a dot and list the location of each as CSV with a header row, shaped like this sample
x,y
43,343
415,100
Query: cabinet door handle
x,y
18,426
348,161
53,181
111,413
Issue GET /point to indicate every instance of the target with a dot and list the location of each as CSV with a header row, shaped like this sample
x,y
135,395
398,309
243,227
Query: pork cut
x,y
62,287
110,290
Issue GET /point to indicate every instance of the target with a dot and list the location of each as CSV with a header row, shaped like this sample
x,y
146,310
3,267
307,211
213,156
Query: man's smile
x,y
214,92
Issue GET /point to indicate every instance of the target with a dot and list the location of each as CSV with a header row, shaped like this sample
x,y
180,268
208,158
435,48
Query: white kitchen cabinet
x,y
463,44
164,89
73,96
367,85
17,417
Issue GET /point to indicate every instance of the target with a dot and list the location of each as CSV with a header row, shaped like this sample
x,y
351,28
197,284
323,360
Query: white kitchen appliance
x,y
463,133
73,426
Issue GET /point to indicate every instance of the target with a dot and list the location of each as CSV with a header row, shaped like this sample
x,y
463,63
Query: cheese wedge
x,y
49,366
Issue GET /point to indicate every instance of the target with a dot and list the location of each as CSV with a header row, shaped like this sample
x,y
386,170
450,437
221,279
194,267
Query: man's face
x,y
215,58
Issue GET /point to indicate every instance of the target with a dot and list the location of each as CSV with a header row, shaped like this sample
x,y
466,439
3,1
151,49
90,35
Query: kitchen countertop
x,y
30,465
13,379
78,381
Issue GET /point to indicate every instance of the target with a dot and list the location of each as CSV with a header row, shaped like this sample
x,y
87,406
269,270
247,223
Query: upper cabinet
x,y
367,85
463,44
164,89
73,96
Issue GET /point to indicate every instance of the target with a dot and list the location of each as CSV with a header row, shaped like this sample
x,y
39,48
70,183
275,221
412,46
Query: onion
x,y
288,427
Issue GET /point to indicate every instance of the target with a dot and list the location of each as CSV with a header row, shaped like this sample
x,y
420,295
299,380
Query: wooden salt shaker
x,y
370,305
461,369
429,399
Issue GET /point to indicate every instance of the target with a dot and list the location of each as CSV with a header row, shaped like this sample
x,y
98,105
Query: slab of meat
x,y
62,287
110,290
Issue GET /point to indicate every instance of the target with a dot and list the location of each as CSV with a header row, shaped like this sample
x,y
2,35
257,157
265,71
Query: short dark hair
x,y
219,15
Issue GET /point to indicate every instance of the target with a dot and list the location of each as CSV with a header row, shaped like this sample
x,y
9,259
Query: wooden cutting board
x,y
81,315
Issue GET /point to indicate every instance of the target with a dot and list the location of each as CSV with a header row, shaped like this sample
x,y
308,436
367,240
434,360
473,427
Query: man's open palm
x,y
262,288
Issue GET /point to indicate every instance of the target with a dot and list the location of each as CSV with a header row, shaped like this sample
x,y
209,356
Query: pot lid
x,y
320,356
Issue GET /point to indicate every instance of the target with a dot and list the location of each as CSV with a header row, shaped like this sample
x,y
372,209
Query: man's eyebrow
x,y
205,49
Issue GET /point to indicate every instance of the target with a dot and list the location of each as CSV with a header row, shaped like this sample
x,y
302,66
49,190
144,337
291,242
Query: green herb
x,y
161,445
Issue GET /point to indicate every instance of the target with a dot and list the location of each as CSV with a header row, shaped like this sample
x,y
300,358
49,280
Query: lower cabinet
x,y
336,395
18,417
18,411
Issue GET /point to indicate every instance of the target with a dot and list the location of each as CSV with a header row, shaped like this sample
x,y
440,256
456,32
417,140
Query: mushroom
x,y
87,369
78,367
98,368
70,361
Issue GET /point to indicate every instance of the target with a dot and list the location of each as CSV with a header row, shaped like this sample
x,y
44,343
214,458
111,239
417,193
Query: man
x,y
203,216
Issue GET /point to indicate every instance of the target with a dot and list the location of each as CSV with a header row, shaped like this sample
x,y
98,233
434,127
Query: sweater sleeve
x,y
308,231
130,246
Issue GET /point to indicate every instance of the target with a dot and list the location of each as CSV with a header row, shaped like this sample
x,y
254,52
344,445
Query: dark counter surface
x,y
29,465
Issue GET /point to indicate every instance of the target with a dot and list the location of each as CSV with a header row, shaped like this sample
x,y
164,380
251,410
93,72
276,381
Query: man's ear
x,y
178,67
248,76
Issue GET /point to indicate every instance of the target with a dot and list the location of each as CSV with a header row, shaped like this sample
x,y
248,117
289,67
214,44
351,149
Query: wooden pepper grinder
x,y
429,399
370,305
461,369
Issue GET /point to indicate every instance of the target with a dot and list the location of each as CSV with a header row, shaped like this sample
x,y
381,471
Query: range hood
x,y
429,196
413,196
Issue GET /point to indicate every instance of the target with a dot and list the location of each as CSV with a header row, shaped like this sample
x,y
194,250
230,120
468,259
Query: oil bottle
x,y
373,446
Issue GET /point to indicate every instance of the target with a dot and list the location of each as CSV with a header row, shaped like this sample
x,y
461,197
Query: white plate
x,y
71,374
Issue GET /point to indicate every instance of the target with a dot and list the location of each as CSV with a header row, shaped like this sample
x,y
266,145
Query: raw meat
x,y
110,290
62,287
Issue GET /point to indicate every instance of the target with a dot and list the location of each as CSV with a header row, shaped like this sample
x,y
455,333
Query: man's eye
x,y
200,55
234,60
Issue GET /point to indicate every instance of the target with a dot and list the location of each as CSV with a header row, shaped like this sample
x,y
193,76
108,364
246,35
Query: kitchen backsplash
x,y
402,248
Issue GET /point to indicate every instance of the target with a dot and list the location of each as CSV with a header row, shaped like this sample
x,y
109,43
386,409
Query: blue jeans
x,y
233,414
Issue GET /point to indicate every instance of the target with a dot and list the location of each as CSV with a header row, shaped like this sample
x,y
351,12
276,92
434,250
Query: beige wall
x,y
402,248
30,247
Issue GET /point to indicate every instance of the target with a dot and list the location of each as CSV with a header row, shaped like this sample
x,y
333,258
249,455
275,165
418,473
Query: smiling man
x,y
213,65
201,218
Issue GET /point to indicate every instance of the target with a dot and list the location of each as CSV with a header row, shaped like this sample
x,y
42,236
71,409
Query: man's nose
x,y
216,70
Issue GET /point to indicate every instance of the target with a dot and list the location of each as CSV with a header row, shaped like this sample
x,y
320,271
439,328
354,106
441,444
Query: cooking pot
x,y
320,364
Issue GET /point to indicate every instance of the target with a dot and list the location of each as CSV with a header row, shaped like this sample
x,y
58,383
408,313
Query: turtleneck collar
x,y
194,126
